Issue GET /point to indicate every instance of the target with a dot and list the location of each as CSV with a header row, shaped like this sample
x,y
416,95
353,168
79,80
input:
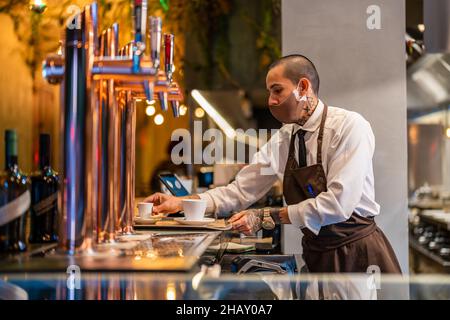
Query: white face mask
x,y
285,112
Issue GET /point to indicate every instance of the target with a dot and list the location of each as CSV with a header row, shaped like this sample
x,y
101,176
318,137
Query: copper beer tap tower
x,y
100,83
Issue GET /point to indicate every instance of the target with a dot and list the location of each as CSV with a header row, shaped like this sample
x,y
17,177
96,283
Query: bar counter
x,y
169,264
163,264
147,250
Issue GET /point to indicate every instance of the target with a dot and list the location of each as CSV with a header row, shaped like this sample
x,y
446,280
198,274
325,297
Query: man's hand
x,y
247,221
250,221
167,204
164,203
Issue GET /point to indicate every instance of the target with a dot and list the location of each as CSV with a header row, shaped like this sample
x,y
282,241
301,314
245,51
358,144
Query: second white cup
x,y
194,209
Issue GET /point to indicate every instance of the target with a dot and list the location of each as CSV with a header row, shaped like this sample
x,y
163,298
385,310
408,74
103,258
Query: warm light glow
x,y
38,6
183,110
413,135
199,113
421,27
212,112
150,102
138,100
150,110
159,119
447,132
171,292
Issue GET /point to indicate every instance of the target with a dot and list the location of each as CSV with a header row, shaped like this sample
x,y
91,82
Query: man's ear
x,y
304,86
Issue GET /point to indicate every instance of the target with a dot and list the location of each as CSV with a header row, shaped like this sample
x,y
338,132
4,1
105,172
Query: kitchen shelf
x,y
428,204
413,244
435,221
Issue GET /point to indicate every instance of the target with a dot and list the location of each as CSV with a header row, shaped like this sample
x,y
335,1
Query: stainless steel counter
x,y
164,250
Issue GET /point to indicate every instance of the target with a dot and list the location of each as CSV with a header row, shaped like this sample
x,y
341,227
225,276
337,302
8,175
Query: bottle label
x,y
14,209
46,204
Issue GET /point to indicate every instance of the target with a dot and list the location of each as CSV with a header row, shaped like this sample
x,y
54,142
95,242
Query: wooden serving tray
x,y
170,223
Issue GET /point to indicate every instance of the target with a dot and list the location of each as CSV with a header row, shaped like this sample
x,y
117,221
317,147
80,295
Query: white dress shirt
x,y
347,150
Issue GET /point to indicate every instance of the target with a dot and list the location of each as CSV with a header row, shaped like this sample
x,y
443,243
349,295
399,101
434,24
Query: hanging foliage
x,y
207,20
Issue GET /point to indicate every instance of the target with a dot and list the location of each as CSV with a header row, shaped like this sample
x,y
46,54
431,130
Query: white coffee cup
x,y
194,209
145,209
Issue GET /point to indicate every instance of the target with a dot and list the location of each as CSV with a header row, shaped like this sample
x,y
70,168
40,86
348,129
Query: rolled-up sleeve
x,y
350,158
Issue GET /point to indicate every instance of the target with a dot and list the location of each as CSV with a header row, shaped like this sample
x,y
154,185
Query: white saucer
x,y
203,222
151,220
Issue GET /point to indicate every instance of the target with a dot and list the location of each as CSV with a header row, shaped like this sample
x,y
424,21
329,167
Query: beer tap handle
x,y
94,40
155,40
140,28
168,55
103,44
114,44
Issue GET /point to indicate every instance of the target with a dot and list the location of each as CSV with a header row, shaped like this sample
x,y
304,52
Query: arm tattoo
x,y
275,213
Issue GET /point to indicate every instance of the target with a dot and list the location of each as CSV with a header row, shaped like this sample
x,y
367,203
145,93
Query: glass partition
x,y
210,284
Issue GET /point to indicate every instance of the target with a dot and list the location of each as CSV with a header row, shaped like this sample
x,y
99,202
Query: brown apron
x,y
350,246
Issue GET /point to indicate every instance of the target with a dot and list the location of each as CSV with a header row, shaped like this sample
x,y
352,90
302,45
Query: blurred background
x,y
223,49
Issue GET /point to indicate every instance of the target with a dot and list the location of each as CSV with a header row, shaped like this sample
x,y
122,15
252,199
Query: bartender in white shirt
x,y
324,158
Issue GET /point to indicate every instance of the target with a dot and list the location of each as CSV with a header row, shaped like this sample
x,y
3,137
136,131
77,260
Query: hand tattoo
x,y
275,214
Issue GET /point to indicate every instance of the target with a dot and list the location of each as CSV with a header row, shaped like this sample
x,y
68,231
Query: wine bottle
x,y
44,196
14,199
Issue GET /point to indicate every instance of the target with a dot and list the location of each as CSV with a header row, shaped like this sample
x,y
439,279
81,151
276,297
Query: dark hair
x,y
297,66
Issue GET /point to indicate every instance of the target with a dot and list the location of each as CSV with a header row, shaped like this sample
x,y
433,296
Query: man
x,y
325,162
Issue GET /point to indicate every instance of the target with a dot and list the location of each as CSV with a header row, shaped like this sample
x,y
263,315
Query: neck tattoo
x,y
309,106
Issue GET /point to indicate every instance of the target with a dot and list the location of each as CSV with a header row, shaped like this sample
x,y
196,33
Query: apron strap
x,y
320,137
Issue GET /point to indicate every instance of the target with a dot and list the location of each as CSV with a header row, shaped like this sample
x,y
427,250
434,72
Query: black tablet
x,y
173,184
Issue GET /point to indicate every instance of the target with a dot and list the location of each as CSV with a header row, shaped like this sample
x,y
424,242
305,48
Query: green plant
x,y
207,21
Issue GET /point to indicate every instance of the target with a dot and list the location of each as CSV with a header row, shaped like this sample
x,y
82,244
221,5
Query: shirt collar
x,y
313,123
